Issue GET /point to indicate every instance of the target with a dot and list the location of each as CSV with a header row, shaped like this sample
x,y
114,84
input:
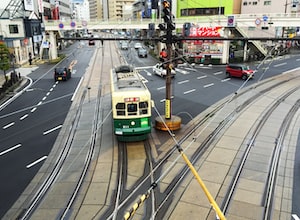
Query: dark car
x,y
142,52
239,70
62,74
91,43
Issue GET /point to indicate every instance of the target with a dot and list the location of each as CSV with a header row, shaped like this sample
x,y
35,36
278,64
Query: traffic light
x,y
167,12
186,29
151,29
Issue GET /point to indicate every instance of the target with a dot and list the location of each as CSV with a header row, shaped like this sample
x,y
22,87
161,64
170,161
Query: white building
x,y
82,11
269,6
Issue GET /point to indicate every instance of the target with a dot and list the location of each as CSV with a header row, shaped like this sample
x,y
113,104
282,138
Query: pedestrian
x,y
30,58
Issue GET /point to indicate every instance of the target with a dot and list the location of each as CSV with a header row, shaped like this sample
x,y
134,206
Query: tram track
x,y
68,160
274,156
198,156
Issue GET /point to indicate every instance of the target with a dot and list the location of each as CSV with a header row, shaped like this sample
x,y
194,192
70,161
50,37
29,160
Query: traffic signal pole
x,y
169,122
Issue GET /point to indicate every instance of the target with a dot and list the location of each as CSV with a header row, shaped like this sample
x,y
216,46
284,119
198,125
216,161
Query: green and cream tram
x,y
131,104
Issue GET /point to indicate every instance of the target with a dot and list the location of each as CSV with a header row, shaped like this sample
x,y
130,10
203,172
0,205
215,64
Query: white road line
x,y
10,149
51,130
225,80
44,98
184,81
35,162
48,93
23,117
33,110
39,103
208,85
160,88
51,89
280,64
189,91
218,73
297,59
295,217
201,77
8,125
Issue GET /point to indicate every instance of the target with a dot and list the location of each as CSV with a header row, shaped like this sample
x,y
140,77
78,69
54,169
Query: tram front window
x,y
120,108
143,106
132,109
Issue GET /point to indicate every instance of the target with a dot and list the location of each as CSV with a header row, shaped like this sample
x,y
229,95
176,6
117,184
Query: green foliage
x,y
4,57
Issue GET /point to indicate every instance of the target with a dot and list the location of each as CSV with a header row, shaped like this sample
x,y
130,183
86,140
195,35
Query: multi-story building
x,y
269,6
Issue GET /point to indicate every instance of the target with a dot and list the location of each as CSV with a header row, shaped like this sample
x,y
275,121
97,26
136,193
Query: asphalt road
x,y
30,124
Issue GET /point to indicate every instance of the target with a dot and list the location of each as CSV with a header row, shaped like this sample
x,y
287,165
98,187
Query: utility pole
x,y
170,122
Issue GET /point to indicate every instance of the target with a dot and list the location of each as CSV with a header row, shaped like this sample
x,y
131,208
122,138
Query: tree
x,y
4,59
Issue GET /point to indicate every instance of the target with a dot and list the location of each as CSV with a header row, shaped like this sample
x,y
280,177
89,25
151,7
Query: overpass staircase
x,y
256,44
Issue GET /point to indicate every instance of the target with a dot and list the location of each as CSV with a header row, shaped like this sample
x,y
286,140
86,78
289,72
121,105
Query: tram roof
x,y
126,77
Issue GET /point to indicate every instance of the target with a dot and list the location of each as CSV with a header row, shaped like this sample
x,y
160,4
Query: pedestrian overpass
x,y
248,25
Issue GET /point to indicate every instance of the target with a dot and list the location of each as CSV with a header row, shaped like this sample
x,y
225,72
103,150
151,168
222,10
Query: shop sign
x,y
206,32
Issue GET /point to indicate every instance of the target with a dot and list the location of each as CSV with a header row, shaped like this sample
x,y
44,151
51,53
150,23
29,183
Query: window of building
x,y
13,29
245,3
267,2
254,3
202,11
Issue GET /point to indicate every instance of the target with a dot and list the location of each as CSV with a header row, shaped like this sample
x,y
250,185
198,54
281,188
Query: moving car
x,y
159,70
62,74
142,52
91,42
124,45
137,45
239,70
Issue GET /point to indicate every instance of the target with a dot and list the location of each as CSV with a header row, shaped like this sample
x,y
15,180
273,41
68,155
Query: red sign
x,y
205,31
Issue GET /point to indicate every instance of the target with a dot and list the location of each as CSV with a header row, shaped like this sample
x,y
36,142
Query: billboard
x,y
206,32
28,5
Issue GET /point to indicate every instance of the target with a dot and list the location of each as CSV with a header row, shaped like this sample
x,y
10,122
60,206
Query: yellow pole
x,y
207,193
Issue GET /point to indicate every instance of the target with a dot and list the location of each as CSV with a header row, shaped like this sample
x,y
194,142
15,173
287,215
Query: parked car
x,y
137,45
142,52
159,70
239,70
62,74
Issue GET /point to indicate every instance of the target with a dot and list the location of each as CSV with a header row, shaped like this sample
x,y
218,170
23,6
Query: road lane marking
x,y
44,98
23,117
51,89
208,85
225,80
189,91
160,88
218,73
48,93
184,81
33,110
201,77
8,125
295,217
39,103
280,64
36,162
10,149
52,129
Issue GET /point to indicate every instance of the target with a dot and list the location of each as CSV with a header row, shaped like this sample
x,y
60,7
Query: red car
x,y
239,70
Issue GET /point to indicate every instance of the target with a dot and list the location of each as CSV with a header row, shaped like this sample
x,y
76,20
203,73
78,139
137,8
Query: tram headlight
x,y
132,123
